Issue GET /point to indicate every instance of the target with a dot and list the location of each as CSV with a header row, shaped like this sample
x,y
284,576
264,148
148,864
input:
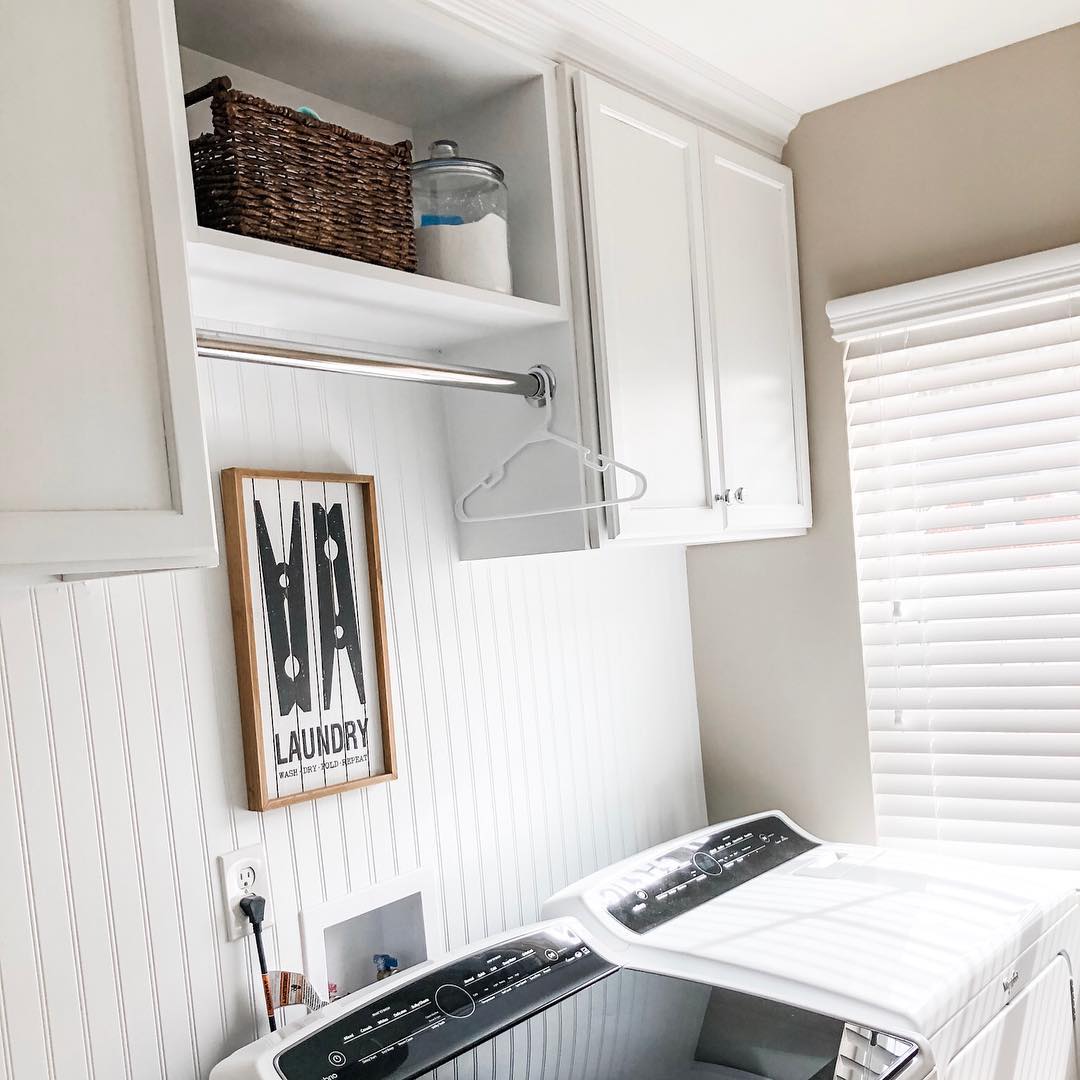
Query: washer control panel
x,y
692,873
408,1031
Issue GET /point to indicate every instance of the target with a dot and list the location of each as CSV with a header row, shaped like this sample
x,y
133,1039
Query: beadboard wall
x,y
545,713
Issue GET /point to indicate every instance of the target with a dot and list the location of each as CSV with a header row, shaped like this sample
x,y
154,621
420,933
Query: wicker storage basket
x,y
271,172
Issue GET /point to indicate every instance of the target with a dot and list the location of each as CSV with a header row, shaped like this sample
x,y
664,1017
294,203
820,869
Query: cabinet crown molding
x,y
590,35
1040,276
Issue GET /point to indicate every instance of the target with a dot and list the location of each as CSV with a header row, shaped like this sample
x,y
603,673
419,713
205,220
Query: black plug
x,y
254,907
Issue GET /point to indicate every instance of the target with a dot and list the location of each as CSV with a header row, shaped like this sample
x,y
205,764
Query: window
x,y
964,449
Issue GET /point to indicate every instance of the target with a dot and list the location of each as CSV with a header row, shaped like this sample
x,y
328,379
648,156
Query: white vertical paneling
x,y
57,972
75,776
118,825
545,721
24,1008
155,817
195,891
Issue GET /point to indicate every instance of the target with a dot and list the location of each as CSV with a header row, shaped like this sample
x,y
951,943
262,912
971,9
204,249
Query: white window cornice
x,y
1026,279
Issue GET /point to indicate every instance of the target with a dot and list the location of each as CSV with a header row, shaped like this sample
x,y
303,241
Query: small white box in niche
x,y
341,937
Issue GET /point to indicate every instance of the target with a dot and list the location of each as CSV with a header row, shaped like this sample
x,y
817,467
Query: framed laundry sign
x,y
305,585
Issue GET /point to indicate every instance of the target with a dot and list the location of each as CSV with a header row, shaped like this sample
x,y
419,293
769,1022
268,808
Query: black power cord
x,y
254,907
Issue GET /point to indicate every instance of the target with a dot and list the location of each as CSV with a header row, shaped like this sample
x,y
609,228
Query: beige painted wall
x,y
967,165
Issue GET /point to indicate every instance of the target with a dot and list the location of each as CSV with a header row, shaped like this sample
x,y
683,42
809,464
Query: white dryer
x,y
798,959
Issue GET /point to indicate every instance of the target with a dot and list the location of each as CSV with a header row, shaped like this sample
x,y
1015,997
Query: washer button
x,y
454,1001
336,1058
704,862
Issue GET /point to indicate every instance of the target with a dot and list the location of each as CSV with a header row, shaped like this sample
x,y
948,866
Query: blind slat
x,y
973,697
970,561
912,449
929,609
970,515
1050,480
976,583
1019,834
923,403
1007,743
1054,405
986,766
1013,676
963,370
1050,858
1003,463
1006,628
966,808
906,655
1007,535
1006,789
986,720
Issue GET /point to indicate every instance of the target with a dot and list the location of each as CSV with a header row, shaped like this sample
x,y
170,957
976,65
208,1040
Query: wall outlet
x,y
242,873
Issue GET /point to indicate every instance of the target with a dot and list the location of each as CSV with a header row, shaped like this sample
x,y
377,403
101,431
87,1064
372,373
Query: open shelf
x,y
393,72
237,279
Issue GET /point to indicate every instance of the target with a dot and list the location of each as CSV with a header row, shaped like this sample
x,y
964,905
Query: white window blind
x,y
964,447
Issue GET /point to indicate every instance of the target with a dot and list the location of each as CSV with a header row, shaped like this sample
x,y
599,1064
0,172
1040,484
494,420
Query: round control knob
x,y
705,863
454,1001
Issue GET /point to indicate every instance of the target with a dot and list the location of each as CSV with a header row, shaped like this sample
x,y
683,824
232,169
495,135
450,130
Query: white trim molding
x,y
590,35
1027,279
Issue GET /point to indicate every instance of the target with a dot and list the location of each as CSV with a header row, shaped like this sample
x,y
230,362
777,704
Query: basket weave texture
x,y
271,172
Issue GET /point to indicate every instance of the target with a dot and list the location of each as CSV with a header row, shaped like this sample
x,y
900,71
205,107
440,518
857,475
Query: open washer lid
x,y
894,940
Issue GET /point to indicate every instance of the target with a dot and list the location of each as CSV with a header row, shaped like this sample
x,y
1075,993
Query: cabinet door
x,y
642,200
101,439
757,337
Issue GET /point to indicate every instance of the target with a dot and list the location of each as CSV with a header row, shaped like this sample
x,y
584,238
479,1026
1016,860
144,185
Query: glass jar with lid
x,y
460,215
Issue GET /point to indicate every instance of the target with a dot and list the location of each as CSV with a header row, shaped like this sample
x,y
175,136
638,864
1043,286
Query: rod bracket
x,y
545,386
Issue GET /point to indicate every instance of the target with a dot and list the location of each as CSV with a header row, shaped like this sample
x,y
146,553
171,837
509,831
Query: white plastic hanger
x,y
599,463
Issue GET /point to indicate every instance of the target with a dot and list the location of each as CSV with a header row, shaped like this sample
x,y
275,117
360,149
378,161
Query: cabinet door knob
x,y
738,494
724,496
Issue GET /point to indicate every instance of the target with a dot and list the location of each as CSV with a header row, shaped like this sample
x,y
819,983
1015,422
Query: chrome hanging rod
x,y
535,385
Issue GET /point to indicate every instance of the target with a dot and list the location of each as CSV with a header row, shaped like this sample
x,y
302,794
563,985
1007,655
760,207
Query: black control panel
x,y
686,876
427,1021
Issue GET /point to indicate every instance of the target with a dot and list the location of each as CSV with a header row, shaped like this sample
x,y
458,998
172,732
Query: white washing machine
x,y
971,965
747,951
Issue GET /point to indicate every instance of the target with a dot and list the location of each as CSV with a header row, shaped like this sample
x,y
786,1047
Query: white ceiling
x,y
810,53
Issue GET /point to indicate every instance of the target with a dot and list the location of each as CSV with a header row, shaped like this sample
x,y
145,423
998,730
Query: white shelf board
x,y
237,279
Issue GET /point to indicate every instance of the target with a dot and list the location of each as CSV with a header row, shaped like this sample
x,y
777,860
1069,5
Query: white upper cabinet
x,y
757,337
101,439
693,290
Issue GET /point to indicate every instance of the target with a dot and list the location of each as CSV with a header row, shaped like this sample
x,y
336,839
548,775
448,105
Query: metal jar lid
x,y
444,156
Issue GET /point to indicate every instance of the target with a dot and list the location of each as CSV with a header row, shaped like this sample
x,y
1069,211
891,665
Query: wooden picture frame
x,y
309,625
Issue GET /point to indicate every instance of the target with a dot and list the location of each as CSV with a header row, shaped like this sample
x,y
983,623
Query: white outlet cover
x,y
237,869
